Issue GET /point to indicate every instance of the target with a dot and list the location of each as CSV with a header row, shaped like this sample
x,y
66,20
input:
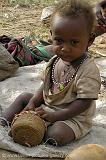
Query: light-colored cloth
x,y
86,84
30,82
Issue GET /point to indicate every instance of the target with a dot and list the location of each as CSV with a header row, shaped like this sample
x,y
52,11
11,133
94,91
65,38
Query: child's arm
x,y
36,100
73,109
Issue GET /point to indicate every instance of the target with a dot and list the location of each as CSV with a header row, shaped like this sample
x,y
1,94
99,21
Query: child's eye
x,y
58,41
74,42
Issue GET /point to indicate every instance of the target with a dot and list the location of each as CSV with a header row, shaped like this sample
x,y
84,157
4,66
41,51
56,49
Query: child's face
x,y
70,37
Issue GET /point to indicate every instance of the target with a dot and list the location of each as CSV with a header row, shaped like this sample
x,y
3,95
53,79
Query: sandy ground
x,y
19,21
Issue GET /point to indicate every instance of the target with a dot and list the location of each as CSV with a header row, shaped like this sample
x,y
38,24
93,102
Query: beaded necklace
x,y
61,85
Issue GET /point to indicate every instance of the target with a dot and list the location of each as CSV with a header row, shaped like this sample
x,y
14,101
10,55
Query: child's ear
x,y
50,37
91,39
51,32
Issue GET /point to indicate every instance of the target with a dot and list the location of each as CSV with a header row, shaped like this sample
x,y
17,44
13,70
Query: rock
x,y
102,41
88,152
8,65
46,14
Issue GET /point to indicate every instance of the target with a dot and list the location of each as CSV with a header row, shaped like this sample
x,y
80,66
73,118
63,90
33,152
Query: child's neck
x,y
76,62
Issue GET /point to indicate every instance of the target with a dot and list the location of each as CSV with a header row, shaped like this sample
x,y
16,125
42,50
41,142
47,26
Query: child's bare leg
x,y
17,106
61,133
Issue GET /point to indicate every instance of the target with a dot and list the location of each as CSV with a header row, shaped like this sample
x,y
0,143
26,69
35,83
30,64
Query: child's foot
x,y
51,141
4,122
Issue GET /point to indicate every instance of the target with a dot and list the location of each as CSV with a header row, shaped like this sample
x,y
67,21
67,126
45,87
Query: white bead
x,y
66,81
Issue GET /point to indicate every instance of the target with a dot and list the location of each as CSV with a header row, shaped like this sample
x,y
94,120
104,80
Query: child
x,y
71,85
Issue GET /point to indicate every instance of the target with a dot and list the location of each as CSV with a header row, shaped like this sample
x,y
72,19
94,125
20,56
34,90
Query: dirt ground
x,y
22,21
18,21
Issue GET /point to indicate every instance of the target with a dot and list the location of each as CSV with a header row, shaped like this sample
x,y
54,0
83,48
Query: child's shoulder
x,y
88,75
51,61
89,68
89,63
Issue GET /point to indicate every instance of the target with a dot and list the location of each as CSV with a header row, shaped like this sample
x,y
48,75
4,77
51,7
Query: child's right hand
x,y
48,116
30,107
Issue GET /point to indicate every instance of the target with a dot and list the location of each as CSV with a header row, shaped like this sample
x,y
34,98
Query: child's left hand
x,y
48,116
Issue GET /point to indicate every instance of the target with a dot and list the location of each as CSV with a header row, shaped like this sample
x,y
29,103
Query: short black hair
x,y
75,9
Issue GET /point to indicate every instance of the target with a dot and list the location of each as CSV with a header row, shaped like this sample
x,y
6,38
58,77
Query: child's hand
x,y
30,107
48,116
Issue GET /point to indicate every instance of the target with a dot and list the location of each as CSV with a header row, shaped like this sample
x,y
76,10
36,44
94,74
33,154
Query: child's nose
x,y
66,47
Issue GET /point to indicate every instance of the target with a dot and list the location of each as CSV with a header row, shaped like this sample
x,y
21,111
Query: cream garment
x,y
86,84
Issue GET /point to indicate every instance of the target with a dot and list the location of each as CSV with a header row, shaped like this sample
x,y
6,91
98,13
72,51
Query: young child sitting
x,y
66,99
